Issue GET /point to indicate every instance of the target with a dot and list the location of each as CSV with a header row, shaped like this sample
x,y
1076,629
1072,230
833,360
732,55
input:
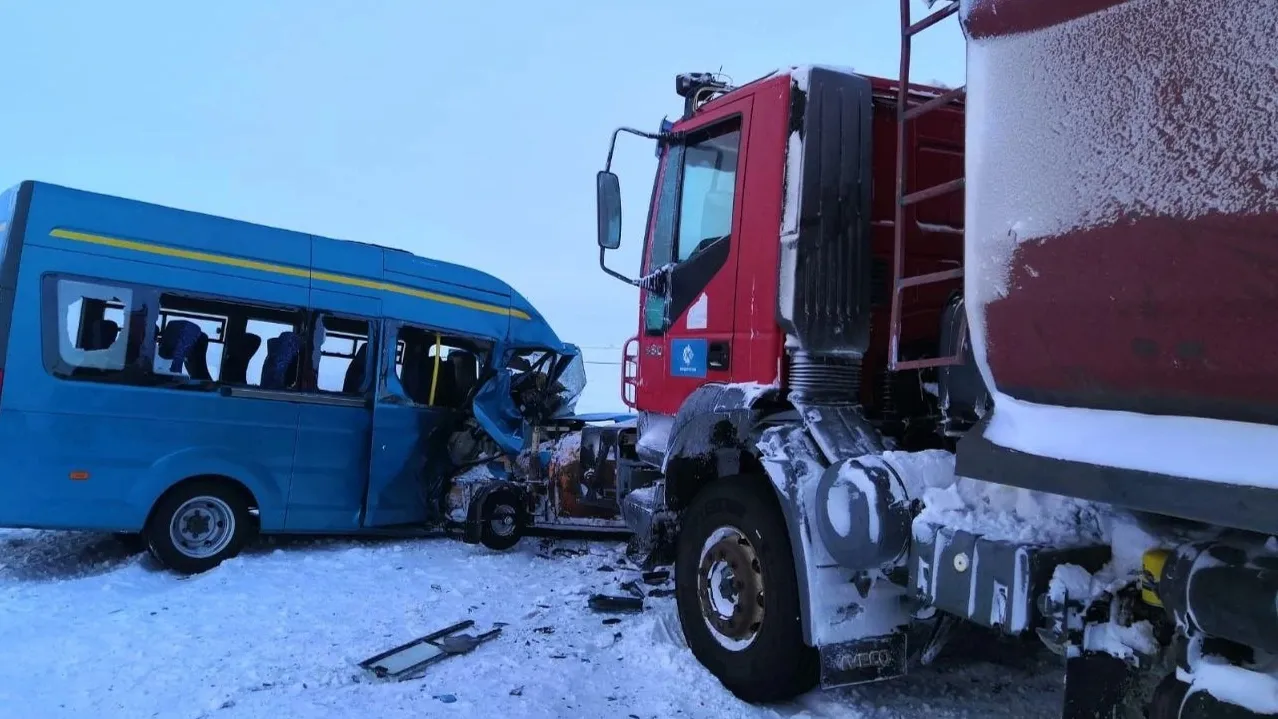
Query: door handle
x,y
717,354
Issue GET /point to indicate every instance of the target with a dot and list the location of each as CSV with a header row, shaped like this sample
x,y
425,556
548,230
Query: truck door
x,y
694,230
416,408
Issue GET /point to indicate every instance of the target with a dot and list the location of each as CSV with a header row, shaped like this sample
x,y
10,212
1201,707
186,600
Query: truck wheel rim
x,y
730,588
202,527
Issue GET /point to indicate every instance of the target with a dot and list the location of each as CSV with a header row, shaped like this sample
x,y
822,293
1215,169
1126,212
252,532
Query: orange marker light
x,y
79,476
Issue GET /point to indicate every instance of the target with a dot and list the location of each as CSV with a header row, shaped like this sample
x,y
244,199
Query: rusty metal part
x,y
572,485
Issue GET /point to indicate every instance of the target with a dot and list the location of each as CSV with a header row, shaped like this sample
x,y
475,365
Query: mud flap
x,y
409,660
870,659
857,620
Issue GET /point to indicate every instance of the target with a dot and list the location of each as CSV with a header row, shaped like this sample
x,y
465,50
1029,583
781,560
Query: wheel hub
x,y
730,588
503,520
196,524
202,527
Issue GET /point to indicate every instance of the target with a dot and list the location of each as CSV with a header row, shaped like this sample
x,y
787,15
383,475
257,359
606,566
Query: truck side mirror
x,y
608,201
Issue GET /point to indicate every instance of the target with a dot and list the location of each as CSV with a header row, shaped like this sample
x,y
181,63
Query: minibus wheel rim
x,y
202,527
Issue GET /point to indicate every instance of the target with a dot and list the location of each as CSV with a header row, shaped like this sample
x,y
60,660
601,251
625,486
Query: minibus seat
x,y
465,368
197,360
239,352
356,373
283,353
178,339
410,374
101,335
446,390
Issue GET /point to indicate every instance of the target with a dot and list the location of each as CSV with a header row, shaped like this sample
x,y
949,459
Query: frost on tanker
x,y
1065,133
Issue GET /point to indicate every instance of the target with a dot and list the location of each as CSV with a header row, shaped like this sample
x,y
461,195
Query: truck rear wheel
x,y
736,592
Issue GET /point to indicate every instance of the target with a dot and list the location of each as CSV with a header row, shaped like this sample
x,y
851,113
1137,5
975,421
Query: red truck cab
x,y
781,290
771,221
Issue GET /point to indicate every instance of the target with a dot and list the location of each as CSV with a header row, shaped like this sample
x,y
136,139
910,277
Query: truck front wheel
x,y
736,592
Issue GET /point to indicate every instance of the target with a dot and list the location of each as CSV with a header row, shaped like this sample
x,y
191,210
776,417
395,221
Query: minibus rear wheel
x,y
198,524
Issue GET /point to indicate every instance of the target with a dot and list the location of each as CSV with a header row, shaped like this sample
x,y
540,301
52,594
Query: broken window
x,y
94,324
436,369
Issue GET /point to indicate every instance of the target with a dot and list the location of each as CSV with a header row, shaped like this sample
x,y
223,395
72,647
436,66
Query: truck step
x,y
993,583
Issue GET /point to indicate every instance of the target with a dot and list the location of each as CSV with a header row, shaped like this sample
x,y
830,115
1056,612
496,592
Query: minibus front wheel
x,y
199,524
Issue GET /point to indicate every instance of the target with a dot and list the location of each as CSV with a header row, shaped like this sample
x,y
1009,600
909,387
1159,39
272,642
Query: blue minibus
x,y
195,380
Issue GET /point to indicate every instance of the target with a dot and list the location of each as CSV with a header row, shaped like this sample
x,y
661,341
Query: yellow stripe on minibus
x,y
228,261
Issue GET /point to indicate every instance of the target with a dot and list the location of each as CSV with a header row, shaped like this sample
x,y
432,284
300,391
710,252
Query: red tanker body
x,y
1122,245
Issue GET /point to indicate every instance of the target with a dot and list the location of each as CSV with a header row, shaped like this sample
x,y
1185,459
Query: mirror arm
x,y
658,136
603,266
612,146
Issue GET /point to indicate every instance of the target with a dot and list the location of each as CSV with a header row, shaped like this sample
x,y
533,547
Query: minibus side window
x,y
94,326
341,355
438,370
227,342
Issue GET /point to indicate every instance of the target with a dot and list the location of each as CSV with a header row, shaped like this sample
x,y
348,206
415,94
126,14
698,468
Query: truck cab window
x,y
693,208
707,192
661,240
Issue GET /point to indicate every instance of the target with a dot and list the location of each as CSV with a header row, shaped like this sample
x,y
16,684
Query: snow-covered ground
x,y
87,630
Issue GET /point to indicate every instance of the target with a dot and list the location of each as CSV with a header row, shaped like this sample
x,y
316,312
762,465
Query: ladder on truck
x,y
907,201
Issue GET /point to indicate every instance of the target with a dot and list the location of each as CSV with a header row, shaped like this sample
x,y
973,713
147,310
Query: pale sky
x,y
465,132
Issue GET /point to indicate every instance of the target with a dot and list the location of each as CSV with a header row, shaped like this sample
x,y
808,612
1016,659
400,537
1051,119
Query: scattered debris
x,y
406,660
517,691
659,576
446,698
545,630
612,620
547,549
613,603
